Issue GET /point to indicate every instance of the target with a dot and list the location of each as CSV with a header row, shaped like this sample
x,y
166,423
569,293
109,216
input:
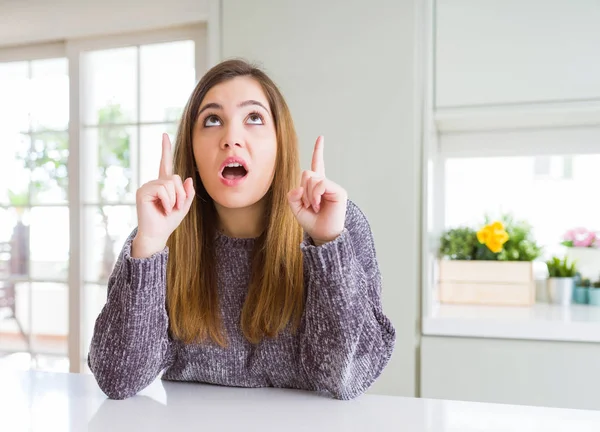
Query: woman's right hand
x,y
161,206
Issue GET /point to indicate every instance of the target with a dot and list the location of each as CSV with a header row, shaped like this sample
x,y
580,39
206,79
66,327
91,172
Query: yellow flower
x,y
495,246
493,236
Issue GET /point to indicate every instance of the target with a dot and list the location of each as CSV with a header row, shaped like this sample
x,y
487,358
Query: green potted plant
x,y
561,280
459,244
490,264
582,290
594,294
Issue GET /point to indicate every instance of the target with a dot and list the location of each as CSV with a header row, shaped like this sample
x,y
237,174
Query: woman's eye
x,y
255,119
212,120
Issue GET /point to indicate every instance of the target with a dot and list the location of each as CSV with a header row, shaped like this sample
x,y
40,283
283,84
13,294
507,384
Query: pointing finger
x,y
166,160
318,164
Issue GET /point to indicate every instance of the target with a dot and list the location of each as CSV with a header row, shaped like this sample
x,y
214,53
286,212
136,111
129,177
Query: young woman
x,y
241,272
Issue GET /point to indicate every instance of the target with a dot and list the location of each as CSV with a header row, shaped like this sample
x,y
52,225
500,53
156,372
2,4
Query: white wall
x,y
34,21
346,69
516,51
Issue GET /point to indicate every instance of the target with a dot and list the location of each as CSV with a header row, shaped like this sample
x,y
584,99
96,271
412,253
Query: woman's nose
x,y
233,137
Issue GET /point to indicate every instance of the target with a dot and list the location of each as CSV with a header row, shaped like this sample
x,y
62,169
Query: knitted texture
x,y
341,347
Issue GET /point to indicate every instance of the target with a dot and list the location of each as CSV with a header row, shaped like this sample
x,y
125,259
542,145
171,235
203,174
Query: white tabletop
x,y
35,401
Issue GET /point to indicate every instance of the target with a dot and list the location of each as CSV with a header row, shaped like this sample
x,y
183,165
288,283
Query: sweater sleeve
x,y
130,344
346,339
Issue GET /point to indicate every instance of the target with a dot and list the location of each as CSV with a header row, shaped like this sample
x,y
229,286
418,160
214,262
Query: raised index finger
x,y
318,164
166,160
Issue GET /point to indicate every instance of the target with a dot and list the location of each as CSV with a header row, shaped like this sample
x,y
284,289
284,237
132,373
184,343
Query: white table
x,y
35,401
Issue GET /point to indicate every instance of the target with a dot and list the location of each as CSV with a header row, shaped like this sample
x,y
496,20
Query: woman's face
x,y
235,144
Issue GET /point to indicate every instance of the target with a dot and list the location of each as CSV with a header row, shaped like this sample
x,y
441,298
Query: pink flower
x,y
569,235
581,237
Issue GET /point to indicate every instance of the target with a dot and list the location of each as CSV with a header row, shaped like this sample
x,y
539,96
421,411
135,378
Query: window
x,y
135,94
538,165
91,118
33,179
552,201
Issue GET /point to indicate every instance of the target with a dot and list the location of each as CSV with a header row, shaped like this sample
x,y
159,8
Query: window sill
x,y
576,323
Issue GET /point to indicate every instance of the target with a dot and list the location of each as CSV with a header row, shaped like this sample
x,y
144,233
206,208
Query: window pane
x,y
50,94
48,161
106,229
151,149
167,74
15,242
109,79
14,325
14,102
94,299
49,246
8,220
107,154
553,200
13,265
14,173
49,318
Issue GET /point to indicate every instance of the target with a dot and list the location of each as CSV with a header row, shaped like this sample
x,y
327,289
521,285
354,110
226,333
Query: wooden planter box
x,y
496,283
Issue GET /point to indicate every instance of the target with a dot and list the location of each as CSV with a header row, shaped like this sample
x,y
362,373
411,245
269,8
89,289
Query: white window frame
x,y
207,38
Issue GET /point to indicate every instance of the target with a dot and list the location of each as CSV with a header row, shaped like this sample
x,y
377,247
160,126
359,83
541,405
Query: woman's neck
x,y
246,222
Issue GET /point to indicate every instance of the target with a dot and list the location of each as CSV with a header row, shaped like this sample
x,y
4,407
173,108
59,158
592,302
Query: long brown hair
x,y
275,297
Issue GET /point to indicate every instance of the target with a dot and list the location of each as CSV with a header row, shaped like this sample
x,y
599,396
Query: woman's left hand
x,y
318,203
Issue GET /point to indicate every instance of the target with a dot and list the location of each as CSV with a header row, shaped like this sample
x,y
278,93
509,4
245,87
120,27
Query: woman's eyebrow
x,y
212,105
253,102
217,106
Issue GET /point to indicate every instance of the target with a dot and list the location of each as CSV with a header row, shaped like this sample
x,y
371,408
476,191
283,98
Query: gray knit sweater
x,y
342,345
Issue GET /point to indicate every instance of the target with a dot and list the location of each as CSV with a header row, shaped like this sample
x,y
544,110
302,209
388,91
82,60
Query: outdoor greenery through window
x,y
34,216
129,97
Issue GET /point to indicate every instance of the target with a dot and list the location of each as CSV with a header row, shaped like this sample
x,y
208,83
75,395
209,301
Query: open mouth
x,y
234,171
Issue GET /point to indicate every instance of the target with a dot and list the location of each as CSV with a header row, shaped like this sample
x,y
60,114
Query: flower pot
x,y
560,290
494,283
581,295
594,296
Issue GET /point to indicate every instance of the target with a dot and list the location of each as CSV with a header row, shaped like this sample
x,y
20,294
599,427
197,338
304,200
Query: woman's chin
x,y
235,200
